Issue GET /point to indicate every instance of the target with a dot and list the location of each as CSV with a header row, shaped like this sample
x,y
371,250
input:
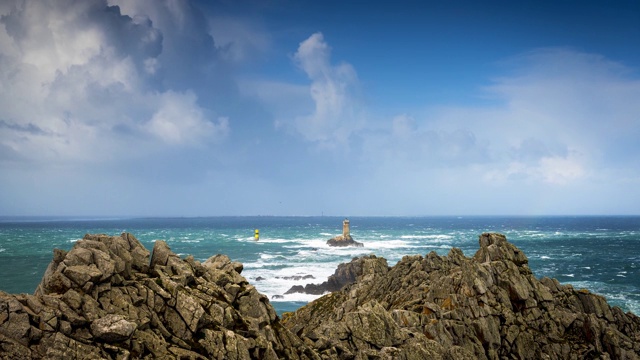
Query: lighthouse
x,y
345,229
345,239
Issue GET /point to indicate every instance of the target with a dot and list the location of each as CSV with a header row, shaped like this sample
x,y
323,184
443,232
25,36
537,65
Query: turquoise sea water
x,y
601,254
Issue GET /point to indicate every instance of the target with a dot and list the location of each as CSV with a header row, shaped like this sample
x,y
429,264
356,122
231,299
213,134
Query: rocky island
x,y
345,239
109,297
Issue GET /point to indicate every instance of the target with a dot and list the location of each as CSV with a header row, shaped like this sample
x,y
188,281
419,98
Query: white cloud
x,y
553,170
80,81
337,113
180,121
559,117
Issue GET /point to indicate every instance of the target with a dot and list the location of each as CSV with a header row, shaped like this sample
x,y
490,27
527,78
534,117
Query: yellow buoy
x,y
257,235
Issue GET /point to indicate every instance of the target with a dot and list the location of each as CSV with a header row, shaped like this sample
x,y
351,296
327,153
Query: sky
x,y
345,108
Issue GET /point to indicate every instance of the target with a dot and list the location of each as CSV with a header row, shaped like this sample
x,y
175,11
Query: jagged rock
x,y
489,306
108,297
342,240
345,274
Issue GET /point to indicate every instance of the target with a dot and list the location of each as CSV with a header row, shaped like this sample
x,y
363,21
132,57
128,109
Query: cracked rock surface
x,y
110,298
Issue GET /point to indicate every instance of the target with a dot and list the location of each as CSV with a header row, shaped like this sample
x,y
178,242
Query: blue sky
x,y
199,108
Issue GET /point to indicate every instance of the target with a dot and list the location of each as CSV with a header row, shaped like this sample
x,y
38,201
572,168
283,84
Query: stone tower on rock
x,y
345,239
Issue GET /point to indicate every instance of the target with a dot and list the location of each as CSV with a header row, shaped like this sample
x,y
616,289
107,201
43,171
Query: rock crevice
x,y
109,297
489,306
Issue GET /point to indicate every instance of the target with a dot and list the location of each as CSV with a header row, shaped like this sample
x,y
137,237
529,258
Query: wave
x,y
428,237
295,297
276,281
272,241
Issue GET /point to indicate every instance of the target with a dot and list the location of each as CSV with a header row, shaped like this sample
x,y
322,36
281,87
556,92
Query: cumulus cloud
x,y
333,88
80,78
566,114
179,120
557,117
554,170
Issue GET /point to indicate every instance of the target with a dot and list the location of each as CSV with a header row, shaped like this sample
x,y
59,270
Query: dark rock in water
x,y
296,277
108,297
345,239
260,278
489,306
277,297
342,240
344,275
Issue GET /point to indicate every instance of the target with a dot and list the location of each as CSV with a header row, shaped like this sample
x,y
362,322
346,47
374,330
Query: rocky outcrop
x,y
108,297
342,240
345,274
489,306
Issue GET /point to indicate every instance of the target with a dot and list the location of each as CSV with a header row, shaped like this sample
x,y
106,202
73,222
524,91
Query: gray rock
x,y
489,306
112,328
108,297
345,274
342,240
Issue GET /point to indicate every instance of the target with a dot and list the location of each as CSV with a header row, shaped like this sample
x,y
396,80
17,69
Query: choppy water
x,y
601,254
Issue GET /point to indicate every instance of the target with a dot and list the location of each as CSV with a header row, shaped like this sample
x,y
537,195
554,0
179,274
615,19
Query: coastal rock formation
x,y
489,306
345,274
341,240
108,297
345,239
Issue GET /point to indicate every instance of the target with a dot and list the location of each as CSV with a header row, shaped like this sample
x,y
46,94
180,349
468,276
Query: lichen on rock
x,y
109,297
489,306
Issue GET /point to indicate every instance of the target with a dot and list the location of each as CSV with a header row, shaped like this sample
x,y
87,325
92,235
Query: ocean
x,y
599,253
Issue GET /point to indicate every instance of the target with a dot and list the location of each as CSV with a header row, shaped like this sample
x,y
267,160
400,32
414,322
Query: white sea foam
x,y
295,297
544,257
390,244
272,241
278,281
436,238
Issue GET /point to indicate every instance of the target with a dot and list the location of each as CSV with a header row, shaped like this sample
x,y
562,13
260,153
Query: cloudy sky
x,y
197,108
